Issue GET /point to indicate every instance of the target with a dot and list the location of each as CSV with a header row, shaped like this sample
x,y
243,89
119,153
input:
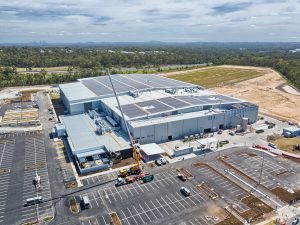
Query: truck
x,y
131,171
122,181
145,177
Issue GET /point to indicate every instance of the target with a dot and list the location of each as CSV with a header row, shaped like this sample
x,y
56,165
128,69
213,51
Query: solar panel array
x,y
154,106
131,110
171,103
97,88
133,82
174,102
101,86
191,100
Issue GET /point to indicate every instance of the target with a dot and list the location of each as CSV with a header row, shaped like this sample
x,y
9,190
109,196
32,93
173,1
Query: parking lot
x,y
102,178
272,173
36,163
161,202
140,203
227,190
19,134
6,156
22,155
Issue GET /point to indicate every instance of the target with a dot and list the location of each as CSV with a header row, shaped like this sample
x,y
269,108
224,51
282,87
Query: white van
x,y
33,201
86,202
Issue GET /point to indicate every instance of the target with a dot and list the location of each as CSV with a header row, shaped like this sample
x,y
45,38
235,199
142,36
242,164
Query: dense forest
x,y
93,60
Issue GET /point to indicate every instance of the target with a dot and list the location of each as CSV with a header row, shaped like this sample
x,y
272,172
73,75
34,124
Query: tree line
x,y
92,61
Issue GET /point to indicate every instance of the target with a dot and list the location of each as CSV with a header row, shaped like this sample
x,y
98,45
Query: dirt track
x,y
264,91
270,91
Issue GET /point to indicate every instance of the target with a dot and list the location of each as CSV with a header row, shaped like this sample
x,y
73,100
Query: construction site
x,y
22,111
235,186
168,153
149,109
174,133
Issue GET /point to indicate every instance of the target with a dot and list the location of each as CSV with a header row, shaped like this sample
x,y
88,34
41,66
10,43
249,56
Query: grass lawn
x,y
217,76
287,144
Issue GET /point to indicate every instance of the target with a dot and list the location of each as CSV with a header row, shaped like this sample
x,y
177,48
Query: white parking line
x,y
95,199
125,217
131,215
144,212
138,214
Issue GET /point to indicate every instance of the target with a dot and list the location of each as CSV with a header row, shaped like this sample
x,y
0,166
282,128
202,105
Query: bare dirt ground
x,y
264,91
10,92
270,91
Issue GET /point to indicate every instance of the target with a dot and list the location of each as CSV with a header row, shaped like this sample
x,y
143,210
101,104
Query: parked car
x,y
163,160
232,133
86,202
181,177
259,131
185,191
220,131
295,221
158,162
272,145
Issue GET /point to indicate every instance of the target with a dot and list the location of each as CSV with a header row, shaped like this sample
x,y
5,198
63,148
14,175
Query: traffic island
x,y
73,205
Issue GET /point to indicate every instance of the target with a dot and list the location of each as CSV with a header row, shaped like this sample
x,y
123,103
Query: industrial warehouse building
x,y
157,109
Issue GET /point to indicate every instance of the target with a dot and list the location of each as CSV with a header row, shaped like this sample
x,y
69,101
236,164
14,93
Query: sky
x,y
68,21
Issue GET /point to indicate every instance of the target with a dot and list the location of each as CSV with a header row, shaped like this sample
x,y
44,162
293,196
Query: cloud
x,y
140,20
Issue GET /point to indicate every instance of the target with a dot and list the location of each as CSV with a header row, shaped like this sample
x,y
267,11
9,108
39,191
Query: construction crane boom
x,y
135,152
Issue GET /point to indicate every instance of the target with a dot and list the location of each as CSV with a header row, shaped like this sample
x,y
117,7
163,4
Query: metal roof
x,y
90,153
151,149
132,82
173,103
76,90
100,87
81,130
